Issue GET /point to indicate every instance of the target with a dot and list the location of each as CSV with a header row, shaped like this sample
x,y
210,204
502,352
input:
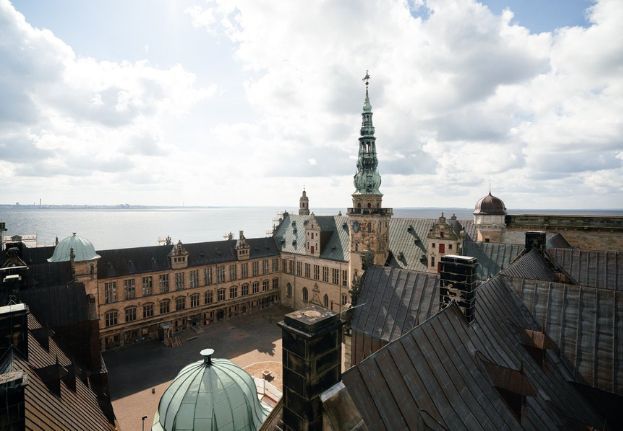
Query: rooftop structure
x,y
74,248
210,394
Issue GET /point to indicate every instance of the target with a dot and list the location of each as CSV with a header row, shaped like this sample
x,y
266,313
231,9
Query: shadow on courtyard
x,y
141,366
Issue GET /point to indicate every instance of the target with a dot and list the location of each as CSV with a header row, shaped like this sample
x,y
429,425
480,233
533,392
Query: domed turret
x,y
211,394
490,205
81,248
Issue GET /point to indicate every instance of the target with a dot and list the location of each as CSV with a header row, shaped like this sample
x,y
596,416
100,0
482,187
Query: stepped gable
x,y
77,409
128,261
601,269
443,374
492,257
532,265
392,301
334,240
585,323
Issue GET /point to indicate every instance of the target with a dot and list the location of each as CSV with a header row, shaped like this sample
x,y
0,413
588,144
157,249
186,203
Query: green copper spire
x,y
367,179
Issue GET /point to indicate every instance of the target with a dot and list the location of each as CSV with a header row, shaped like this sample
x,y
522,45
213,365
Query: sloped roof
x,y
531,265
602,269
392,301
492,257
126,261
439,370
557,241
290,235
44,410
586,324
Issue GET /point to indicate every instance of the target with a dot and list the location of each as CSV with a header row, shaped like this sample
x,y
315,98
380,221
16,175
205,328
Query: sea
x,y
123,227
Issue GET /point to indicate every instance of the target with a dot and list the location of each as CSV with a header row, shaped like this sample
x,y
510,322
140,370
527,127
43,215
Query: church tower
x,y
369,221
304,204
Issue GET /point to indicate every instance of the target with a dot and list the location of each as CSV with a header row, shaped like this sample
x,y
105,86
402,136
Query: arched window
x,y
111,318
289,290
305,295
130,314
369,205
325,300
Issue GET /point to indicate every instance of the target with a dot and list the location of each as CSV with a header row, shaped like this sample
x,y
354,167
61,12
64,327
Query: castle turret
x,y
369,221
490,219
304,204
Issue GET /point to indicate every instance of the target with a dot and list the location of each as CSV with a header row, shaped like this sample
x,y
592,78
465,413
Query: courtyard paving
x,y
139,374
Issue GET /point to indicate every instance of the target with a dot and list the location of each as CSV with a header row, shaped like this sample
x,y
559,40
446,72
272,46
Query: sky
x,y
245,102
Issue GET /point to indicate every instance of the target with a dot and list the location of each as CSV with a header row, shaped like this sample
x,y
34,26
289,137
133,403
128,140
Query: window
x,y
299,269
111,318
449,246
221,294
441,234
256,286
233,272
264,285
325,274
325,300
179,280
148,311
265,266
433,245
130,288
220,274
442,248
284,265
147,285
163,280
164,306
255,268
344,277
180,303
233,292
289,290
209,297
194,279
194,300
110,292
245,289
207,273
244,270
290,267
275,265
432,261
335,276
130,314
316,272
307,266
344,298
275,283
305,295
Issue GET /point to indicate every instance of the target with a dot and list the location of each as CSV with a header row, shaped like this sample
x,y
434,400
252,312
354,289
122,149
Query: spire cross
x,y
366,79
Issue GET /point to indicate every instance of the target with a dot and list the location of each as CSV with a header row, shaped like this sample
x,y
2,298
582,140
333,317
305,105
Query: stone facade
x,y
441,240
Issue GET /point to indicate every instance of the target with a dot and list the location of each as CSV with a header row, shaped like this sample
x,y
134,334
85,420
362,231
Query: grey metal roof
x,y
587,325
439,370
531,265
558,241
492,257
290,235
603,269
392,301
126,261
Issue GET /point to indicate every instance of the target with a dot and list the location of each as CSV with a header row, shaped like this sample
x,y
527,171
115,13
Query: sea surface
x,y
110,228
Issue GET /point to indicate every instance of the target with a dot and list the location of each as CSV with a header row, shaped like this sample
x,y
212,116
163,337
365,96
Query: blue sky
x,y
214,102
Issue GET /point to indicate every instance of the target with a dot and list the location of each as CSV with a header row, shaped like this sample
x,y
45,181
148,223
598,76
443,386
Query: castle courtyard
x,y
139,374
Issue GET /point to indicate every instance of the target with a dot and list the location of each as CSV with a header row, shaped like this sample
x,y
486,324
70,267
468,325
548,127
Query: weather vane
x,y
366,78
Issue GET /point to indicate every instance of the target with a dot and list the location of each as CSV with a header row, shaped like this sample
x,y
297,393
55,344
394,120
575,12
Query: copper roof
x,y
490,205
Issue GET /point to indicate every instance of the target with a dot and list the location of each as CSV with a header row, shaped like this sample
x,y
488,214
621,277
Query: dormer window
x,y
536,343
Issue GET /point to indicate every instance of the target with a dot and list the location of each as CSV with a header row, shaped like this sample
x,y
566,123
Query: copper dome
x,y
490,205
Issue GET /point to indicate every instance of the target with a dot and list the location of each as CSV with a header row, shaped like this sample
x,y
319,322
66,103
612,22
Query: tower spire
x,y
367,179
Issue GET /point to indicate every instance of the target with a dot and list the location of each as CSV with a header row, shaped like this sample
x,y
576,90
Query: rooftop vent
x,y
410,228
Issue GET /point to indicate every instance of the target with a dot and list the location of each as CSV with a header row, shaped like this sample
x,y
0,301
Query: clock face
x,y
356,226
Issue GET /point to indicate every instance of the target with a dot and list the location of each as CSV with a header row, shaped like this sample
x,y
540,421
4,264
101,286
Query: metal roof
x,y
492,257
585,322
602,269
438,370
392,301
82,250
531,265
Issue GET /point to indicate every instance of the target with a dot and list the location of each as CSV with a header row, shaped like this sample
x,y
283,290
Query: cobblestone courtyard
x,y
253,342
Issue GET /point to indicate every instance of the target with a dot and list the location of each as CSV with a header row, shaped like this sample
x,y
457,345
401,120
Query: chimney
x,y
458,283
14,329
312,354
535,240
12,400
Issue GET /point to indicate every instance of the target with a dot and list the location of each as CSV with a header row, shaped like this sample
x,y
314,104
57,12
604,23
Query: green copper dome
x,y
211,394
82,250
